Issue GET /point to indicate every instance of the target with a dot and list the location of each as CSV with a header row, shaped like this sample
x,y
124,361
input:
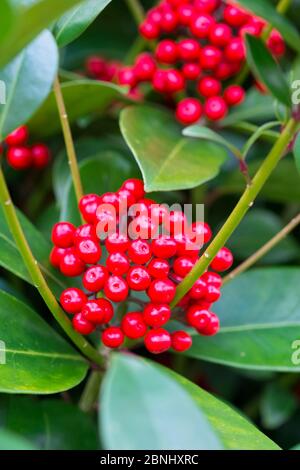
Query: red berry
x,y
81,325
89,251
158,213
143,227
112,337
117,242
106,219
235,16
207,6
176,222
159,268
212,294
70,264
174,81
157,315
276,43
209,86
158,341
72,300
107,308
235,50
133,325
212,327
135,186
182,266
189,111
201,25
110,199
169,21
94,312
220,34
212,278
162,291
164,247
223,71
40,155
149,30
19,158
88,206
126,199
18,137
201,232
197,317
139,252
144,69
215,108
117,263
95,66
185,14
191,71
85,231
166,52
234,94
159,81
223,260
210,57
56,255
189,49
63,234
181,341
154,16
199,290
138,278
95,278
126,76
116,289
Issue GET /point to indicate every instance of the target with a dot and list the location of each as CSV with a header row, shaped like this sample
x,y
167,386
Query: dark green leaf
x,y
277,405
76,21
81,97
28,81
267,70
37,359
11,441
166,159
260,320
297,151
267,11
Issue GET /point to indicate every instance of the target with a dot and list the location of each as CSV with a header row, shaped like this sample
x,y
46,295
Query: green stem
x,y
68,139
91,391
248,128
37,277
137,11
245,202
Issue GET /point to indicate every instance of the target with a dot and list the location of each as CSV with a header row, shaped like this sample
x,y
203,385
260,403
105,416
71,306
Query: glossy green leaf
x,y
260,319
11,441
6,18
297,152
50,424
139,401
76,21
266,10
81,98
267,70
30,18
28,81
265,224
36,359
206,133
166,159
277,405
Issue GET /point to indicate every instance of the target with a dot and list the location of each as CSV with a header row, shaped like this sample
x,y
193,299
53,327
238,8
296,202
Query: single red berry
x,y
127,76
210,57
174,81
169,21
197,317
126,199
223,260
201,24
158,341
223,71
138,278
181,341
40,155
212,327
108,310
72,300
117,263
234,94
18,137
162,291
85,231
95,66
164,247
276,43
209,86
82,325
63,234
212,278
135,186
185,14
235,50
116,289
56,255
212,294
157,315
133,325
110,199
71,265
166,51
189,111
235,16
199,290
139,252
215,108
182,266
144,68
191,71
201,231
89,250
19,158
189,49
95,278
206,6
159,81
159,268
112,337
154,16
94,312
88,206
220,34
250,28
117,242
149,30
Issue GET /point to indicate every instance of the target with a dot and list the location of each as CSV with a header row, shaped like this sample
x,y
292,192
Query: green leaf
x,y
11,441
257,135
260,322
28,81
50,424
267,11
6,18
265,224
277,405
37,360
30,18
166,159
146,406
267,70
297,152
81,97
206,133
76,21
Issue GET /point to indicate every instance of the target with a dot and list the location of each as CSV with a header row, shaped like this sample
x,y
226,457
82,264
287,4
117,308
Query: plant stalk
x,y
137,11
242,207
91,391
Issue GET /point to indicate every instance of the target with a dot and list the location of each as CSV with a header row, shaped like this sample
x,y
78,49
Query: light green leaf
x,y
11,441
206,133
6,18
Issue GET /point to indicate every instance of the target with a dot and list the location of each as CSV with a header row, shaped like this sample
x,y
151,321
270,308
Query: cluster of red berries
x,y
20,155
200,46
151,253
100,68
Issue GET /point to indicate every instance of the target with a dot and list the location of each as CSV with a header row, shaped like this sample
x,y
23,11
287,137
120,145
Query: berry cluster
x,y
200,47
20,155
151,253
99,68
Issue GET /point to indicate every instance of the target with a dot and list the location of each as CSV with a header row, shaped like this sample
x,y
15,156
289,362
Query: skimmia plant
x,y
149,189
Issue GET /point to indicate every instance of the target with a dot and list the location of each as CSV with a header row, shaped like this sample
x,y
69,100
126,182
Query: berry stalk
x,y
90,392
137,10
68,139
242,207
37,277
